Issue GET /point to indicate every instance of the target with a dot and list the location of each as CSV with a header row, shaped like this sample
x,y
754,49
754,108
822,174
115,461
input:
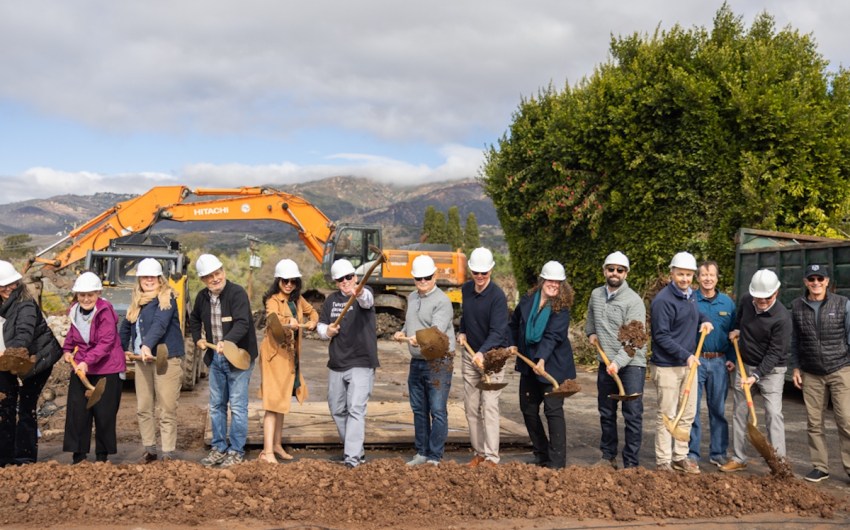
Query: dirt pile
x,y
384,493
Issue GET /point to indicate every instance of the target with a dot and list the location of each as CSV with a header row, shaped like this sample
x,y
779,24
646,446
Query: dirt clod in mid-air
x,y
633,336
384,493
495,360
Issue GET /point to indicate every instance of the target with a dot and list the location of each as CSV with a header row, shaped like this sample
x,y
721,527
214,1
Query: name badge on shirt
x,y
227,319
723,313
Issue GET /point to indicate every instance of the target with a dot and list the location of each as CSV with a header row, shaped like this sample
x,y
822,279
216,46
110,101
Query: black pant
x,y
18,422
78,419
552,451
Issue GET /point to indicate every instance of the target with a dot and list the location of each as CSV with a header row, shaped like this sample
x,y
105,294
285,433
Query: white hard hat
x,y
553,271
207,264
286,269
8,274
764,284
617,258
87,282
422,266
481,260
149,267
684,260
340,268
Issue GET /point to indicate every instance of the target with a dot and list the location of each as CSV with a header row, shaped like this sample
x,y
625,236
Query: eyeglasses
x,y
345,278
424,278
476,273
815,279
288,281
618,270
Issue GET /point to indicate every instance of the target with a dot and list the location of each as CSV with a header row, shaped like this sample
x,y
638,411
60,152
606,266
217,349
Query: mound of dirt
x,y
384,494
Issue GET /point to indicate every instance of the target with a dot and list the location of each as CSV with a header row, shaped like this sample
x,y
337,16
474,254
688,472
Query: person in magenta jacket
x,y
93,344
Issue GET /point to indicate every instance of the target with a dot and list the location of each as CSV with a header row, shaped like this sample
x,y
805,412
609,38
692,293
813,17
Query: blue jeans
x,y
229,385
428,386
633,378
713,382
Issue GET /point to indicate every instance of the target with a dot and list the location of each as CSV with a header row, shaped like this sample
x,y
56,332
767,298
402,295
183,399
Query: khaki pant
x,y
161,392
669,385
816,393
482,411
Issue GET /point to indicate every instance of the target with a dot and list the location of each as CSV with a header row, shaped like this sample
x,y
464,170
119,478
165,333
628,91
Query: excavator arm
x,y
181,204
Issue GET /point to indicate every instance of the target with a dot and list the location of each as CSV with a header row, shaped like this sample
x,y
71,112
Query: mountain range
x,y
346,199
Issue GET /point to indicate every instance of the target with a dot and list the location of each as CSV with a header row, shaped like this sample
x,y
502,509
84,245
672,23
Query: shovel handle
x,y
381,259
82,376
614,375
743,375
686,393
533,366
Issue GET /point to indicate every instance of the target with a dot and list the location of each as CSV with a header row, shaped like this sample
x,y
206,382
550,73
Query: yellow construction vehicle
x,y
101,244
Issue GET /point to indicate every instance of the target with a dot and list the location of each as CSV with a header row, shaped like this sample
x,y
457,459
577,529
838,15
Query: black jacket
x,y
821,345
26,327
554,348
765,337
237,322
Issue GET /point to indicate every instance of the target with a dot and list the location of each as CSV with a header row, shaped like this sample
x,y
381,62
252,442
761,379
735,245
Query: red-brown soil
x,y
384,494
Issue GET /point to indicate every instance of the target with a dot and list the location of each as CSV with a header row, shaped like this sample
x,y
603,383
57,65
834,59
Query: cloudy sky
x,y
104,95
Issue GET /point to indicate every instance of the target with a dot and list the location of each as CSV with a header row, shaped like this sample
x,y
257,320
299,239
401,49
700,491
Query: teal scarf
x,y
537,320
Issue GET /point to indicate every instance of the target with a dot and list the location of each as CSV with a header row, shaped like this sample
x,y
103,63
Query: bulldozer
x,y
111,243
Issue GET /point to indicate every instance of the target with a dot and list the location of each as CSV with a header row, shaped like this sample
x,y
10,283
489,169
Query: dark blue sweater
x,y
675,326
485,317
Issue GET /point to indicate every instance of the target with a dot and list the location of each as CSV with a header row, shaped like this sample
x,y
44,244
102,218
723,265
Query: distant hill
x,y
347,199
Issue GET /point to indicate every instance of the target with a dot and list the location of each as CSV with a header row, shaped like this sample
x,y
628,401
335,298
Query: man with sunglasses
x,y
428,381
353,358
484,326
763,326
611,306
820,358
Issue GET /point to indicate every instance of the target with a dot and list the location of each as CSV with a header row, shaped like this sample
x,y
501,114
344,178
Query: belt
x,y
713,354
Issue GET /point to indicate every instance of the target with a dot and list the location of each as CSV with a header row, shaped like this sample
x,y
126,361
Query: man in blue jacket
x,y
676,321
716,361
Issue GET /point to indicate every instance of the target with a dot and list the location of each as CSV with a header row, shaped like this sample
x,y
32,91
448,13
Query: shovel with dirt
x,y
93,392
678,433
755,436
622,396
433,343
16,361
485,384
565,389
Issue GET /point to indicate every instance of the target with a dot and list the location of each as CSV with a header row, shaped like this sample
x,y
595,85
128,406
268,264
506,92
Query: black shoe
x,y
147,458
100,457
78,457
816,475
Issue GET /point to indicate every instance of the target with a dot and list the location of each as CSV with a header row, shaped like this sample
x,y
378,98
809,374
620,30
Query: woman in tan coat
x,y
280,353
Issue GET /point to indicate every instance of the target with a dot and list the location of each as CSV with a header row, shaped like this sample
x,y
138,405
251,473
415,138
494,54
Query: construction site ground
x,y
311,492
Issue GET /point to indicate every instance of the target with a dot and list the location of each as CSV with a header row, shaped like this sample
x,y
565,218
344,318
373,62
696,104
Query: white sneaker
x,y
417,460
434,463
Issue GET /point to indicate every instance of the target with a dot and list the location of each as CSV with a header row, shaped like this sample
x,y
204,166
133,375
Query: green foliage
x,y
683,137
471,236
17,246
454,235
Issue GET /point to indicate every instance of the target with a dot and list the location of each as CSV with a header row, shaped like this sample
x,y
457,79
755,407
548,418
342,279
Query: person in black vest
x,y
820,357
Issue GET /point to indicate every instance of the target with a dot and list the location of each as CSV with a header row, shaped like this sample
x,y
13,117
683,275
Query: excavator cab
x,y
353,242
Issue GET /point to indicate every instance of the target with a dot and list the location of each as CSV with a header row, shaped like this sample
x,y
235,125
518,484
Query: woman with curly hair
x,y
280,352
152,324
540,331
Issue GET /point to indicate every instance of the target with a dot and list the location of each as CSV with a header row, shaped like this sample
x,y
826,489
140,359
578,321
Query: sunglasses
x,y
815,279
345,278
618,270
474,273
424,278
289,281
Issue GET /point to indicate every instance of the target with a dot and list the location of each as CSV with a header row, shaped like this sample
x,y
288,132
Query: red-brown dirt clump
x,y
384,494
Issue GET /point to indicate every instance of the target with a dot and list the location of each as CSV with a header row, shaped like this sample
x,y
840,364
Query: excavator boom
x,y
181,204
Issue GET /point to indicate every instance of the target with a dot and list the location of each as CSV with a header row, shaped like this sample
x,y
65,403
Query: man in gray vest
x,y
820,358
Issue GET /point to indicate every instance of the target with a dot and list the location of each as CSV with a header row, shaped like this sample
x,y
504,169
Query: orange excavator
x,y
112,243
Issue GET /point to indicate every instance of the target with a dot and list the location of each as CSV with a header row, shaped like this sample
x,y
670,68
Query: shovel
x,y
565,389
486,384
756,437
622,396
93,392
678,433
161,359
382,258
433,343
16,361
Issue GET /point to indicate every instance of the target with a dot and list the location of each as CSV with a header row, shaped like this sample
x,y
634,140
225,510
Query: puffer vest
x,y
822,345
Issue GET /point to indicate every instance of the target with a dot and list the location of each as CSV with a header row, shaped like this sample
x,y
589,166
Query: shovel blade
x,y
675,431
96,393
161,359
624,397
562,393
760,443
490,386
